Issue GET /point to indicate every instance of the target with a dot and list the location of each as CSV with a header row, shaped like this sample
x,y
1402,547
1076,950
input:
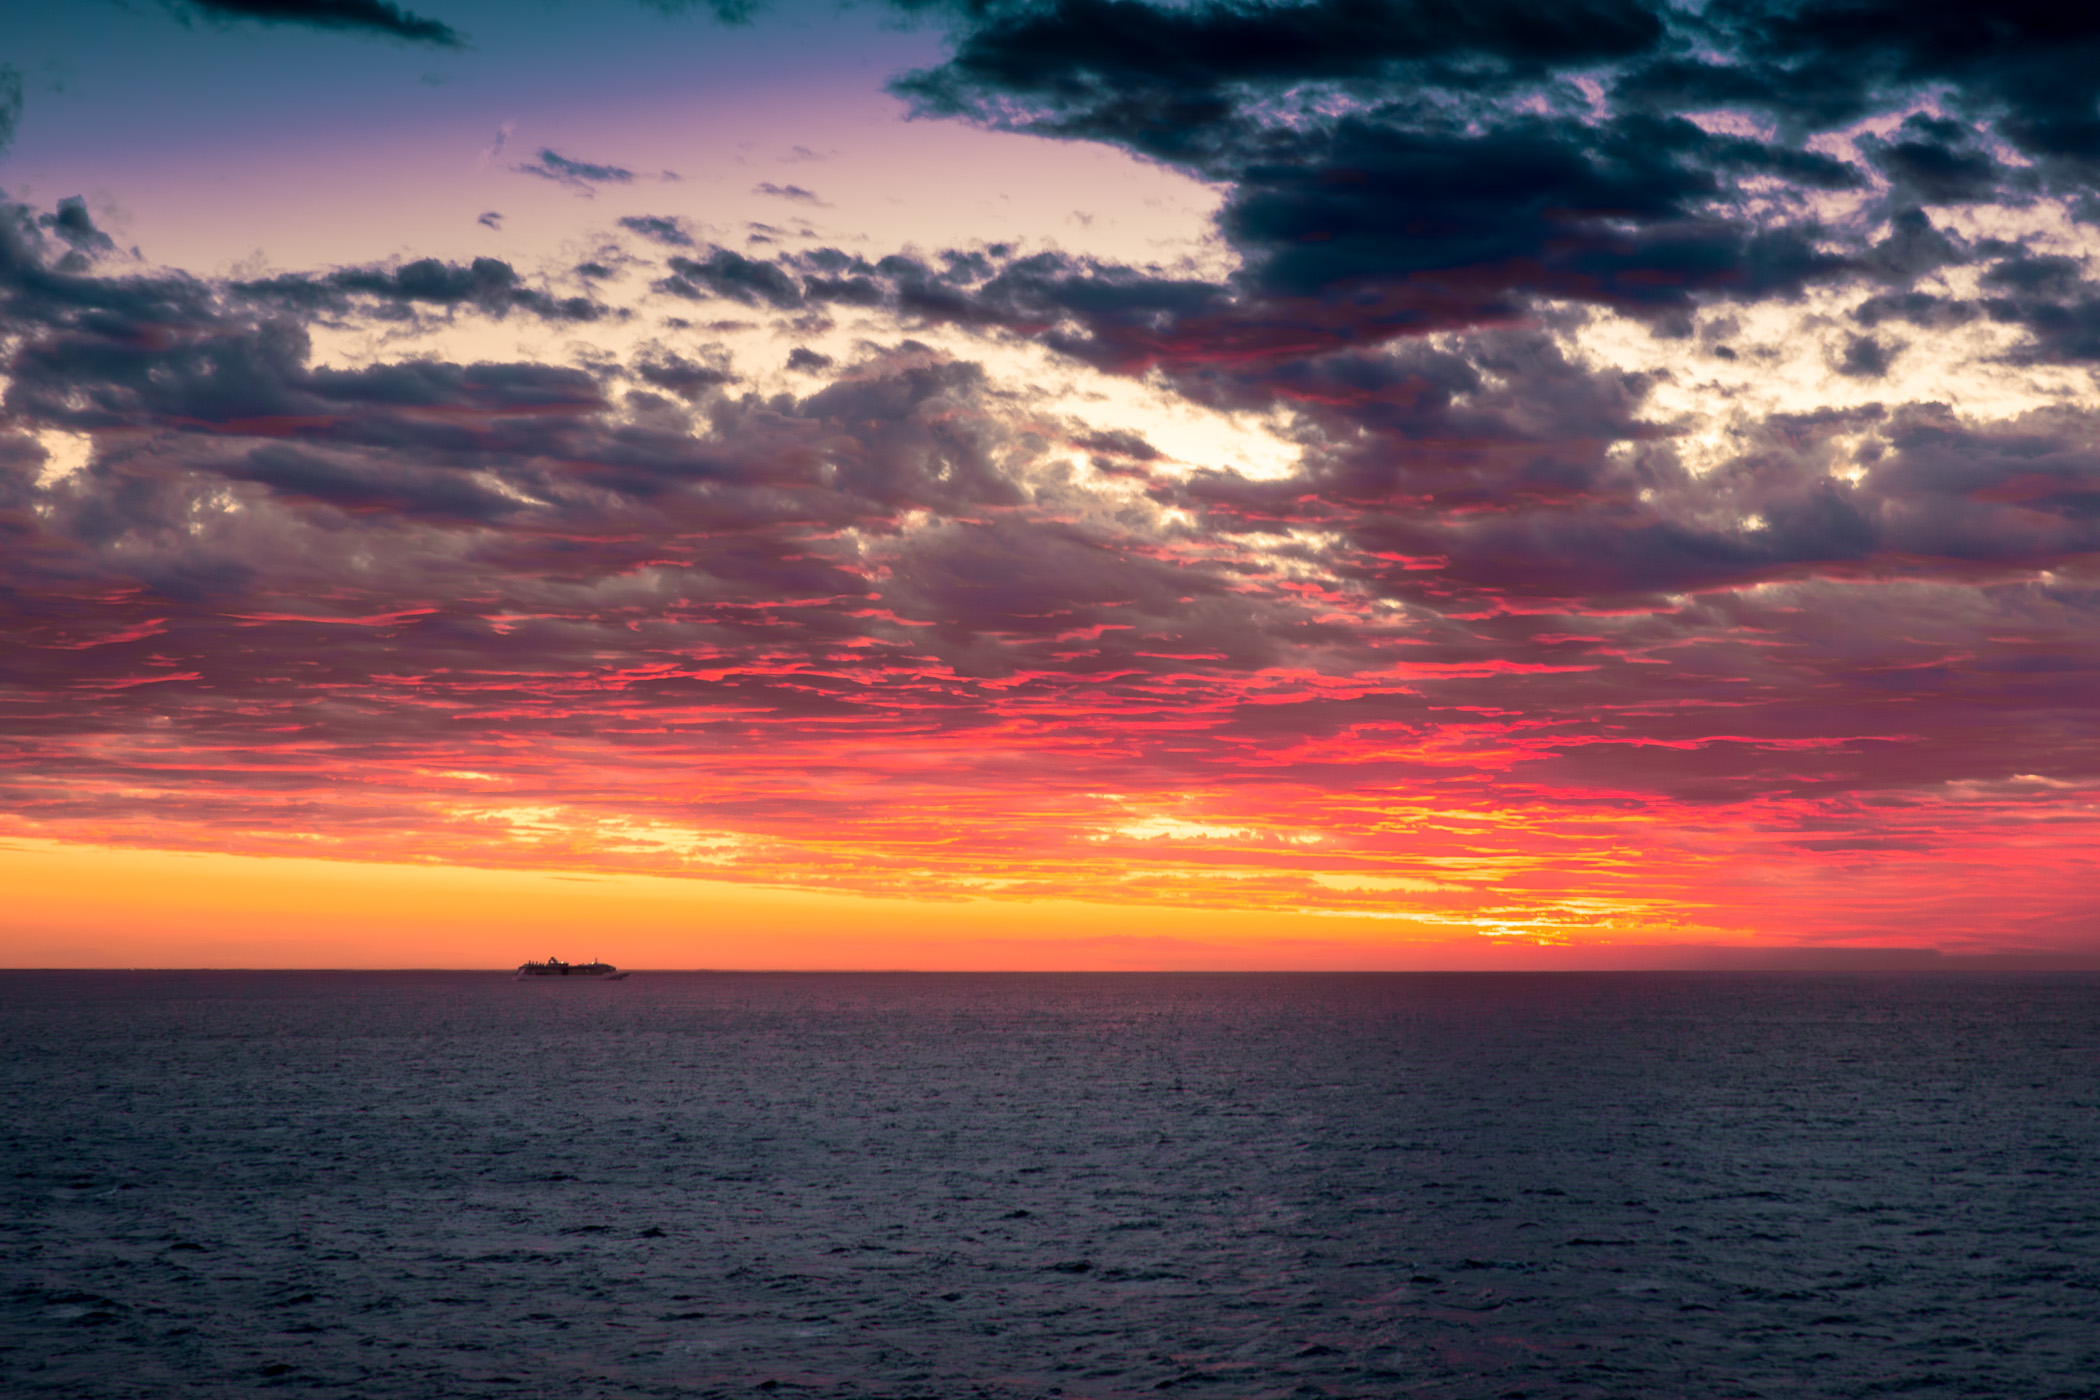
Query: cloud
x,y
1837,60
10,104
792,192
367,16
1407,168
1551,616
729,274
1932,160
671,231
724,11
495,147
579,175
1867,357
486,284
1082,52
74,226
666,370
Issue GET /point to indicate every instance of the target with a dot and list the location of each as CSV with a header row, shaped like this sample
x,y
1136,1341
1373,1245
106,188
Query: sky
x,y
1087,483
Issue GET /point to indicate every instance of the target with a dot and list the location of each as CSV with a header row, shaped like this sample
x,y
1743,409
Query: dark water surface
x,y
409,1185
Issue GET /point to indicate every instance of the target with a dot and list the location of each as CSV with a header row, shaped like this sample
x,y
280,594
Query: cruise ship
x,y
555,967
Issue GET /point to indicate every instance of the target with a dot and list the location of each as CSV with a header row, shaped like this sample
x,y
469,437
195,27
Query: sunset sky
x,y
1076,484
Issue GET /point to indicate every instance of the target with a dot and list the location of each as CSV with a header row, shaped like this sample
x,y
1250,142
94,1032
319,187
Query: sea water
x,y
458,1185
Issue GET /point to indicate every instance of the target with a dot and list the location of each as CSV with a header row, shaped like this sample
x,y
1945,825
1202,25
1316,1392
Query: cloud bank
x,y
1564,622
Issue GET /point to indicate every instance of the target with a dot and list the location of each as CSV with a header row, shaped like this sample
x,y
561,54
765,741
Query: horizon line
x,y
1792,960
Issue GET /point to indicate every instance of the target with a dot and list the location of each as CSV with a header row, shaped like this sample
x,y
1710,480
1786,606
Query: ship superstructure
x,y
555,967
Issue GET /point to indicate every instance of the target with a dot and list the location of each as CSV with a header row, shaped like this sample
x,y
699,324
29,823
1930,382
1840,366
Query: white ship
x,y
555,967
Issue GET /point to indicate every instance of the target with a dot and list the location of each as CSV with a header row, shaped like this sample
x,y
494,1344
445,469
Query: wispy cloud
x,y
357,16
581,176
790,192
671,231
490,152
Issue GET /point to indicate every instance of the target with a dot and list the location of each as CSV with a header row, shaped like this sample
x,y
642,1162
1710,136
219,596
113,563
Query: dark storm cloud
x,y
369,16
2026,64
1451,211
1936,161
1397,168
1077,52
1537,206
2050,297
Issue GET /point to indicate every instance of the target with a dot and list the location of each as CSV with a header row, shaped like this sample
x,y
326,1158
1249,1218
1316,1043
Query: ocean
x,y
687,1184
